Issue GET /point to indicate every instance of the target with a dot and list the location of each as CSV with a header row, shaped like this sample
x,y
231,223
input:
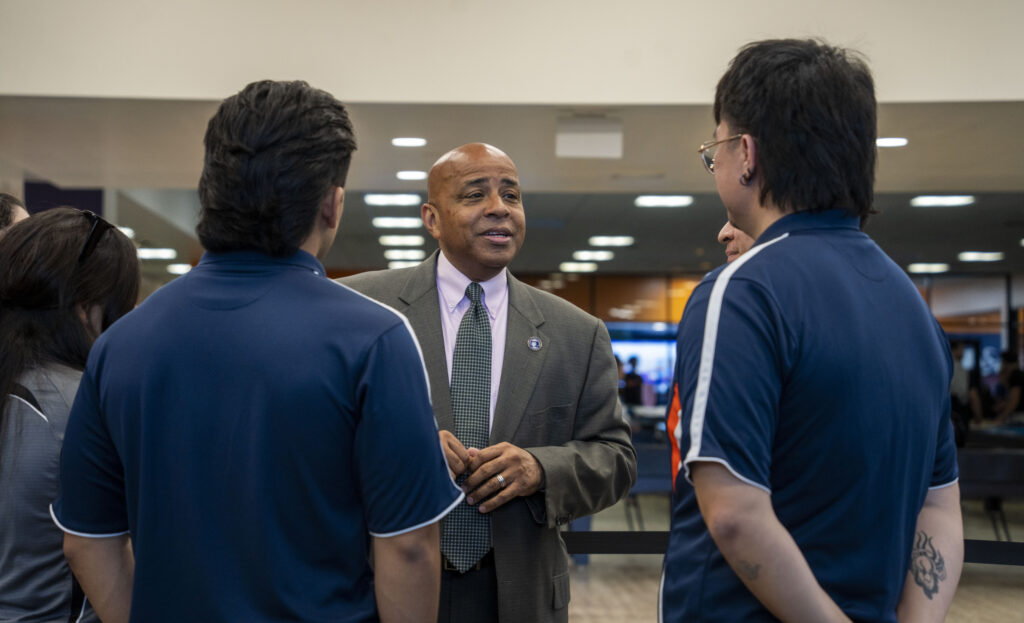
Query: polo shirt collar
x,y
452,285
246,260
799,221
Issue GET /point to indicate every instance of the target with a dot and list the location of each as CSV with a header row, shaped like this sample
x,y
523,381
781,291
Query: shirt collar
x,y
452,285
798,221
241,260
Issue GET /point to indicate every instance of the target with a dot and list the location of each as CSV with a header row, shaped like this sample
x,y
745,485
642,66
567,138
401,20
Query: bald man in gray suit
x,y
558,448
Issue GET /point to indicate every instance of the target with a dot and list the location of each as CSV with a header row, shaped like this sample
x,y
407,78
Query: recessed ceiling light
x,y
610,241
891,141
146,253
663,201
401,241
928,267
577,267
593,256
397,222
941,201
980,256
396,199
404,254
402,264
127,231
408,141
411,175
178,269
659,326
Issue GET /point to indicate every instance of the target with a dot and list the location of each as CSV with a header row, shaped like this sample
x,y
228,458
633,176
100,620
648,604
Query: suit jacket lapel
x,y
424,314
521,365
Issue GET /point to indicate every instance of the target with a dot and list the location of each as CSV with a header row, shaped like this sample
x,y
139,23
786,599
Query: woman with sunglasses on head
x,y
65,276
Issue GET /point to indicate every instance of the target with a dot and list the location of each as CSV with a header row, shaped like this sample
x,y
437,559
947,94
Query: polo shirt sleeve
x,y
729,376
946,470
402,472
91,502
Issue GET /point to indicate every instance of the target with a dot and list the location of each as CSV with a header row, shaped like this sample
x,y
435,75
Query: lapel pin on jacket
x,y
534,343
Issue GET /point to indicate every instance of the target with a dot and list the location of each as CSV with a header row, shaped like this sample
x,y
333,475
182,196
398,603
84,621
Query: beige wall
x,y
486,51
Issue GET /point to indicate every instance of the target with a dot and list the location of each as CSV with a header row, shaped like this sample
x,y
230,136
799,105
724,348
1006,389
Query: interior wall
x,y
590,52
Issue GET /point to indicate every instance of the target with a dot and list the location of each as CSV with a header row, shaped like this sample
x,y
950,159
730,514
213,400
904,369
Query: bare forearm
x,y
768,561
743,524
936,558
407,576
105,568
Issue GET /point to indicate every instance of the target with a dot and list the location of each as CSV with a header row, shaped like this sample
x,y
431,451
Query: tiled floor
x,y
623,588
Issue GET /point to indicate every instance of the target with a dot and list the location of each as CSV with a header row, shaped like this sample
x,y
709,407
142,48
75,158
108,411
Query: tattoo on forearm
x,y
926,564
748,570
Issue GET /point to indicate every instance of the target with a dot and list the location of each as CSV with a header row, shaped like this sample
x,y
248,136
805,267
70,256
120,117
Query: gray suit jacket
x,y
559,403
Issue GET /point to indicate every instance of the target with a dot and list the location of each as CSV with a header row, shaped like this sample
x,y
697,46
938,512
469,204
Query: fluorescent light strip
x,y
404,254
577,267
663,201
617,241
891,141
127,231
147,253
399,199
178,269
396,222
402,264
401,241
928,267
941,201
980,256
411,175
593,256
408,141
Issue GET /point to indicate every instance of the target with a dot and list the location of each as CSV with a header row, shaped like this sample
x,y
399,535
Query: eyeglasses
x,y
99,227
707,151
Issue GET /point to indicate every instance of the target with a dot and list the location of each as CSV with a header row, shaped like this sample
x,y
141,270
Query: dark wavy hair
x,y
811,110
7,205
273,151
42,285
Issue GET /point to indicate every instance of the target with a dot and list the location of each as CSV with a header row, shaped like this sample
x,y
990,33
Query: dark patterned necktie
x,y
466,532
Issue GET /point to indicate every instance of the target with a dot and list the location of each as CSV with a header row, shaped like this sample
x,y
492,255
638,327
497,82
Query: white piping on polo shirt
x,y
707,363
408,327
426,379
83,534
31,406
948,484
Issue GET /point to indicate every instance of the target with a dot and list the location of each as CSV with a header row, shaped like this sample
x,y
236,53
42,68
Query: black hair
x,y
7,205
43,283
273,152
811,110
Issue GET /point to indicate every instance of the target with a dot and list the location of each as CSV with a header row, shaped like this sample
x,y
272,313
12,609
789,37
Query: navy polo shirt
x,y
810,368
251,424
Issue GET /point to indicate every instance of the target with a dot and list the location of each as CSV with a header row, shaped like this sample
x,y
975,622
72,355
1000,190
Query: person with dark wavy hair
x,y
67,276
813,447
254,430
12,210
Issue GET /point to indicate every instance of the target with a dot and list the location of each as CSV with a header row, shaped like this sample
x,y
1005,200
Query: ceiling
x,y
148,153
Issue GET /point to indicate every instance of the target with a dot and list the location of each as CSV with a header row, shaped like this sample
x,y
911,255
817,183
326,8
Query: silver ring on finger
x,y
501,481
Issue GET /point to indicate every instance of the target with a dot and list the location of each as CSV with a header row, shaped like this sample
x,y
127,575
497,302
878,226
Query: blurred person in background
x,y
12,210
67,276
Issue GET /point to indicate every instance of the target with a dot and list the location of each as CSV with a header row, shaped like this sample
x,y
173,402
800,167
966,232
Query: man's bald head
x,y
456,161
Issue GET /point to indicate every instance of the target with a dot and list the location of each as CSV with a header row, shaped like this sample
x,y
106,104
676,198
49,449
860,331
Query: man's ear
x,y
749,154
333,206
428,213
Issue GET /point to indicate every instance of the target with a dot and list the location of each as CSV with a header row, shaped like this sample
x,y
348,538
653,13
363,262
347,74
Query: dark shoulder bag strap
x,y
77,596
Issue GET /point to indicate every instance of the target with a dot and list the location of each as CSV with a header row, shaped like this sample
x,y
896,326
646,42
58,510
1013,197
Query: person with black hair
x,y
814,436
67,276
254,430
12,210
